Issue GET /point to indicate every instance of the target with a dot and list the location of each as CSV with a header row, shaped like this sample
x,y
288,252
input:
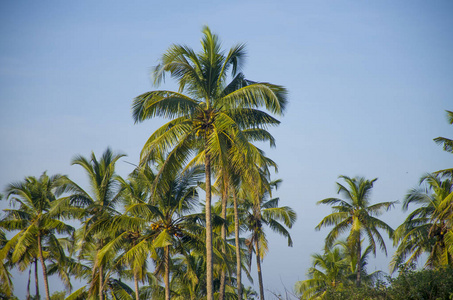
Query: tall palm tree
x,y
129,229
265,211
427,229
97,207
36,217
206,112
356,215
231,170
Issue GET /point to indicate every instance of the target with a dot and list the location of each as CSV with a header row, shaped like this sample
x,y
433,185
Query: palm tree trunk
x,y
359,265
28,284
238,249
44,269
209,264
223,236
36,280
258,267
167,272
101,282
136,284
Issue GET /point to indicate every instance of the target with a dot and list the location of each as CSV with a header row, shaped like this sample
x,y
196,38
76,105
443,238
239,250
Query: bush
x,y
422,285
434,284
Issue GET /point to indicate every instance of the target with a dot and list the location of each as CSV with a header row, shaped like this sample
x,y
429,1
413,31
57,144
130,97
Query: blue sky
x,y
368,83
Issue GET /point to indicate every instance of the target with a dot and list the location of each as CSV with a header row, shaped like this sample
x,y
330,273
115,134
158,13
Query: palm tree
x,y
351,258
427,229
129,229
265,211
356,215
206,112
96,208
329,270
237,167
36,217
153,222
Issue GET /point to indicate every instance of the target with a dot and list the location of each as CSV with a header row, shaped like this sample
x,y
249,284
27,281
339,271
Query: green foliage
x,y
447,144
58,296
357,216
435,284
352,292
422,285
428,229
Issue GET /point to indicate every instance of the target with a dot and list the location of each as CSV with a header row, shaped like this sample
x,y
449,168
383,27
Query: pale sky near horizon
x,y
368,82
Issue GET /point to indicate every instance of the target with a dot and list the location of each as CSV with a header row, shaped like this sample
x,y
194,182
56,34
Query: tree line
x,y
150,228
149,236
339,272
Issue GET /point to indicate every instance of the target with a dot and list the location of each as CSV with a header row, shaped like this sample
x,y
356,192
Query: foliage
x,y
427,284
214,116
428,229
357,216
447,144
422,285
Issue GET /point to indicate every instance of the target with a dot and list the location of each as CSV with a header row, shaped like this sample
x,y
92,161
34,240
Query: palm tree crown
x,y
357,215
37,219
428,229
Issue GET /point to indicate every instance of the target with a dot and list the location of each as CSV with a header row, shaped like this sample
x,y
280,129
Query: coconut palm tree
x,y
328,270
155,222
129,229
427,229
356,215
97,207
231,171
36,219
206,112
351,258
265,211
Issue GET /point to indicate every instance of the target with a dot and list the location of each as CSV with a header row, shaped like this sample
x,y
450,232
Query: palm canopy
x,y
37,219
207,111
328,270
357,215
268,213
94,208
153,222
427,229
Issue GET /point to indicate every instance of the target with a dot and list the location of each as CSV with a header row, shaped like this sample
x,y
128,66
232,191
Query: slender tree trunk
x,y
136,284
167,272
101,282
223,235
28,284
238,249
209,263
44,269
258,267
36,280
359,265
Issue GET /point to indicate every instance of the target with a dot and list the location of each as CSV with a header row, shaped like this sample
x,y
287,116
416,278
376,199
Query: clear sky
x,y
368,81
